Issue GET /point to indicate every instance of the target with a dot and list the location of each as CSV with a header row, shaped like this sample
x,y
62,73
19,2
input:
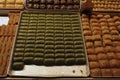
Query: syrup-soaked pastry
x,y
117,48
94,24
63,7
42,1
111,24
36,6
49,6
114,32
18,66
96,28
104,63
90,51
76,1
69,1
49,1
112,28
29,1
92,57
106,72
104,27
101,56
116,72
93,20
56,1
100,16
56,7
42,6
89,44
102,20
89,38
118,55
87,32
114,63
94,64
99,50
103,24
107,16
111,55
107,36
69,7
97,37
85,19
117,23
105,31
86,27
35,0
110,20
85,24
76,7
116,38
107,42
108,48
95,72
97,43
115,18
29,5
63,1
84,16
96,32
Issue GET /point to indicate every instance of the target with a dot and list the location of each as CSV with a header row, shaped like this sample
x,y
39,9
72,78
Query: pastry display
x,y
12,4
101,33
53,4
47,45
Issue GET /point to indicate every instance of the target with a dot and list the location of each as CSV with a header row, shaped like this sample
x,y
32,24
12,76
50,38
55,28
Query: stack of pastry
x,y
13,18
11,4
101,33
106,5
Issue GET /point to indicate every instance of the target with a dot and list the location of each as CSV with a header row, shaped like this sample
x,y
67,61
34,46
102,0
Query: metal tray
x,y
73,10
46,71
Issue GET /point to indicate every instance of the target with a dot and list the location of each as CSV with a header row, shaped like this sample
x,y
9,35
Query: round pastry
x,y
49,1
93,64
95,72
29,1
90,51
104,63
92,57
84,20
29,5
94,24
97,43
116,38
111,24
114,63
89,44
115,43
111,55
101,56
36,6
36,1
117,48
93,20
93,16
118,27
108,48
116,72
99,50
106,72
